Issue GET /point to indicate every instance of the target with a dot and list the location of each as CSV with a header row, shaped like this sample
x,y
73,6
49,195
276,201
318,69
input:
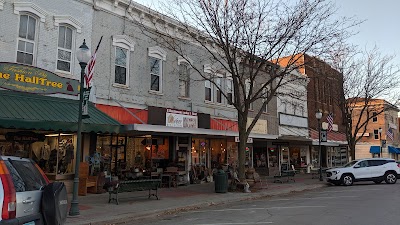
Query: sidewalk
x,y
94,208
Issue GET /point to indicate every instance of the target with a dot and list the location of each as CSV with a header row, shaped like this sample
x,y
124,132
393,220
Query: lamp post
x,y
83,55
380,142
318,115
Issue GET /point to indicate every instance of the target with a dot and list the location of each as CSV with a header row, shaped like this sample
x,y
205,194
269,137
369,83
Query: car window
x,y
350,164
363,163
25,176
19,184
377,162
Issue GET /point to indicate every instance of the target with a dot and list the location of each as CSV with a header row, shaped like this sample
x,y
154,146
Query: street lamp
x,y
318,115
83,55
380,142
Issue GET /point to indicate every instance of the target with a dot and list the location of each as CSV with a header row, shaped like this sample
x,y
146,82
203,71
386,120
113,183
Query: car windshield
x,y
350,164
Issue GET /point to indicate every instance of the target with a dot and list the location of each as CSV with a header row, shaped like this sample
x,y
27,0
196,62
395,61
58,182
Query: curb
x,y
187,208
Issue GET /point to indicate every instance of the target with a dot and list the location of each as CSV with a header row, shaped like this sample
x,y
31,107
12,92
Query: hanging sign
x,y
30,79
85,102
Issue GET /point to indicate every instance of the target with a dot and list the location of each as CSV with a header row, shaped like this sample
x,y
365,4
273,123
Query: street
x,y
364,204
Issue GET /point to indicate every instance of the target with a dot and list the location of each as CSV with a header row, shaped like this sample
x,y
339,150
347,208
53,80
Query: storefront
x,y
41,127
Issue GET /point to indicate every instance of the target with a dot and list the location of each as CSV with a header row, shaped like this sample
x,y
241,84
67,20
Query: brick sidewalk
x,y
94,208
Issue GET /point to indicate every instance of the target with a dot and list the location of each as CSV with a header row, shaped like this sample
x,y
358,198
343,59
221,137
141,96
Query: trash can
x,y
221,181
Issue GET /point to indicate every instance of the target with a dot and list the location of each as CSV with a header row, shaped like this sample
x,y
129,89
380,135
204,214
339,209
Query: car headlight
x,y
336,172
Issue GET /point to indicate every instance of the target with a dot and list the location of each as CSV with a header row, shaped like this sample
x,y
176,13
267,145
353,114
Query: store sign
x,y
260,127
292,120
24,137
178,118
30,79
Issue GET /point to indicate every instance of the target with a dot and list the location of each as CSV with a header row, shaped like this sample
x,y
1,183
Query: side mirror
x,y
357,166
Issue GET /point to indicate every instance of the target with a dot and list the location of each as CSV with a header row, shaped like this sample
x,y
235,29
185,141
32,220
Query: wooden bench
x,y
134,185
86,183
285,176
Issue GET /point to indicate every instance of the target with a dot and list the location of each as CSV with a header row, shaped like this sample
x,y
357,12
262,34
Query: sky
x,y
381,26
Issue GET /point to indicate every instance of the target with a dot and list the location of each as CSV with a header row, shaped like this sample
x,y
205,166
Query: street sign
x,y
324,136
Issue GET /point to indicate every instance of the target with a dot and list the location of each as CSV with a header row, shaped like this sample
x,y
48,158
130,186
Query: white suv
x,y
375,169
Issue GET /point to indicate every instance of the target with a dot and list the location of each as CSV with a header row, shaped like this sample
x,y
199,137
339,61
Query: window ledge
x,y
120,86
63,73
209,102
184,98
156,93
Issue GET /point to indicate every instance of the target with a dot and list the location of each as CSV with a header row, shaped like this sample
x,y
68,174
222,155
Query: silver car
x,y
21,187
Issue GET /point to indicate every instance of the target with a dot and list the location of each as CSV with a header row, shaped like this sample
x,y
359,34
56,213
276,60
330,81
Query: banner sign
x,y
30,79
178,118
85,102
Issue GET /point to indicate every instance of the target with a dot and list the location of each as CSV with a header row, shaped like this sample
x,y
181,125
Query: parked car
x,y
375,169
21,188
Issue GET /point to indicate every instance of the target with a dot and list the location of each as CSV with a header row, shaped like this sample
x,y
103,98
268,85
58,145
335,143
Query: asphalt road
x,y
363,204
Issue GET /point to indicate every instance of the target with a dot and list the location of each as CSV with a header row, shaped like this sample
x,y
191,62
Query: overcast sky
x,y
381,26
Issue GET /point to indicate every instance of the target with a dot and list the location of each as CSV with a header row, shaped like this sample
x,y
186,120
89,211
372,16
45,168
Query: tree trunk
x,y
352,146
242,122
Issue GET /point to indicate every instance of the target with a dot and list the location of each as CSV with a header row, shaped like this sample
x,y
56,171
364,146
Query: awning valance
x,y
37,112
393,150
375,149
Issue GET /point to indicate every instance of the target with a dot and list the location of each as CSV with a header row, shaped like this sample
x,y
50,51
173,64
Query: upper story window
x,y
123,46
156,58
156,74
26,39
29,17
229,91
64,50
248,85
208,90
265,98
121,65
218,87
184,80
184,77
375,117
376,134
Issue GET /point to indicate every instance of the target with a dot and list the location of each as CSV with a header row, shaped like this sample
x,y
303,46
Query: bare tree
x,y
249,40
368,75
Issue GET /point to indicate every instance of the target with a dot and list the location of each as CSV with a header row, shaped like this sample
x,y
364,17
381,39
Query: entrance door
x,y
260,160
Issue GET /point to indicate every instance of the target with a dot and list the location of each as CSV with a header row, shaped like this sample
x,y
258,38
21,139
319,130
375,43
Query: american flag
x,y
329,118
389,133
90,67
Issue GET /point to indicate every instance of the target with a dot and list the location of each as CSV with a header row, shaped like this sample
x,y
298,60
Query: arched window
x,y
27,39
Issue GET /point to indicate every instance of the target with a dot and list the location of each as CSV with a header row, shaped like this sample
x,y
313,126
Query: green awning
x,y
37,112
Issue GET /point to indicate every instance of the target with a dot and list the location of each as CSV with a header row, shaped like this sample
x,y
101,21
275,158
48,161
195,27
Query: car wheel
x,y
347,180
390,178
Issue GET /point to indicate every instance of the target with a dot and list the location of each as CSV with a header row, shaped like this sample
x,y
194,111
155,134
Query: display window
x,y
200,152
56,154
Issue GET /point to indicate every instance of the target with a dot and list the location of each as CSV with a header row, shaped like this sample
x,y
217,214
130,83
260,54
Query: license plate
x,y
30,223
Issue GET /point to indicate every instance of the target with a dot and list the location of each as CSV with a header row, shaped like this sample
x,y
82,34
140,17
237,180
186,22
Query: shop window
x,y
64,50
27,39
